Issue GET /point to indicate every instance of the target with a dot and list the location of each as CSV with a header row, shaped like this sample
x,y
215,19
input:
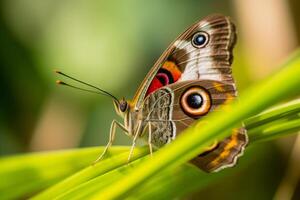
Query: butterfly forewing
x,y
183,61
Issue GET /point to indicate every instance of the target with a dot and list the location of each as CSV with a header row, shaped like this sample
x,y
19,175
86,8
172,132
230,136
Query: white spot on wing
x,y
196,67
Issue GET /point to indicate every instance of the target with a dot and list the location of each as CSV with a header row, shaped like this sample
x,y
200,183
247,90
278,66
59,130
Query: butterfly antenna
x,y
59,82
99,90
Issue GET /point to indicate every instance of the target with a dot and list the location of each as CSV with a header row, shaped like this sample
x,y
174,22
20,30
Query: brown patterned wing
x,y
175,107
158,110
203,51
224,154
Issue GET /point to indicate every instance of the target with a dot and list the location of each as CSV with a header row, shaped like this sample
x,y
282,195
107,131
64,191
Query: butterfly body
x,y
190,79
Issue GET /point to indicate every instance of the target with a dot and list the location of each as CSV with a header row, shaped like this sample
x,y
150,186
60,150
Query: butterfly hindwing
x,y
224,153
170,111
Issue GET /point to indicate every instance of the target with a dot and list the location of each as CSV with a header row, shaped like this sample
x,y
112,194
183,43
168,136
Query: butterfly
x,y
190,79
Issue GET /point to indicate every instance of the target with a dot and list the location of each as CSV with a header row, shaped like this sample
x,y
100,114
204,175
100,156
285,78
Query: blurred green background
x,y
112,44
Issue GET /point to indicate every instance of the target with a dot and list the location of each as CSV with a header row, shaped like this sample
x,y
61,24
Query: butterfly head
x,y
121,107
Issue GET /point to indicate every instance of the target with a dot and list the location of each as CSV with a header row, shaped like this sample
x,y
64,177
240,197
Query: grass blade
x,y
90,172
24,175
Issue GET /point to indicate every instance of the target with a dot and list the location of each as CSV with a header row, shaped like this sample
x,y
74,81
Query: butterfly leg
x,y
149,138
132,148
113,127
134,141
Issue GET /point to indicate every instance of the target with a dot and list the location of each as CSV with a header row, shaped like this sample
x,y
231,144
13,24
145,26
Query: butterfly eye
x,y
123,105
195,101
200,39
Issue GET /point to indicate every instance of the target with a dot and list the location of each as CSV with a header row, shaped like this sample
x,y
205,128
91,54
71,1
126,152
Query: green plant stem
x,y
194,139
278,112
90,172
88,188
26,174
274,130
151,188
